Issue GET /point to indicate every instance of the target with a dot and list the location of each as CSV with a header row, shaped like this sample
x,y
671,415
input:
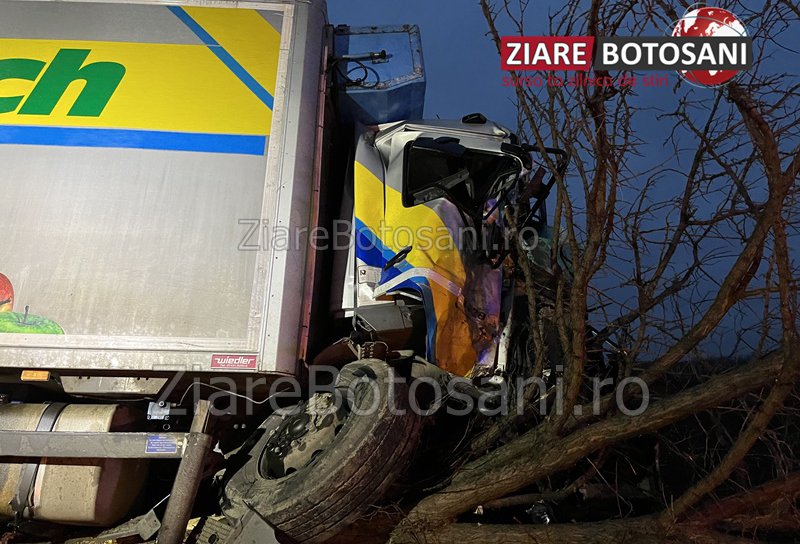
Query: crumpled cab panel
x,y
461,295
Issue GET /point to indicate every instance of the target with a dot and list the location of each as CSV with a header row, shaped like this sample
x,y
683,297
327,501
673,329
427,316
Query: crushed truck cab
x,y
178,180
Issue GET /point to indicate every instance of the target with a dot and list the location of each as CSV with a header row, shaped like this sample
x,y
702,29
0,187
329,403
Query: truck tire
x,y
339,483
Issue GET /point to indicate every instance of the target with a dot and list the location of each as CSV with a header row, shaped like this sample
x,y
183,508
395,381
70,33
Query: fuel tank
x,y
72,491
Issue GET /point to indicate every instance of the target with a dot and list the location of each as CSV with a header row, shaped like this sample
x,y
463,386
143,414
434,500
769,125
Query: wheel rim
x,y
308,430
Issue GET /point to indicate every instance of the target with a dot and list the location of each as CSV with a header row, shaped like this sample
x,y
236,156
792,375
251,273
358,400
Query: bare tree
x,y
675,242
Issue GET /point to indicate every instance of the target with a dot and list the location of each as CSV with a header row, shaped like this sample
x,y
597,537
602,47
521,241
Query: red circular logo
x,y
708,22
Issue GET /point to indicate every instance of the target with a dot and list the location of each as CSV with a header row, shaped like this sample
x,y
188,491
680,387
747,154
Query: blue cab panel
x,y
378,73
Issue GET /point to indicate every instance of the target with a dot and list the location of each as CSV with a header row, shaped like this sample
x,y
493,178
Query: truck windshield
x,y
467,177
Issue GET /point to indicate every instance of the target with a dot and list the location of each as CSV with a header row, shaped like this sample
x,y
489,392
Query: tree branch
x,y
537,454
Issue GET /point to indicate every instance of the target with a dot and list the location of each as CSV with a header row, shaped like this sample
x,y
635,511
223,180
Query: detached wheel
x,y
318,469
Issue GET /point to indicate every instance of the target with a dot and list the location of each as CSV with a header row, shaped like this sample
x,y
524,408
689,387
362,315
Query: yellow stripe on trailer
x,y
165,87
247,36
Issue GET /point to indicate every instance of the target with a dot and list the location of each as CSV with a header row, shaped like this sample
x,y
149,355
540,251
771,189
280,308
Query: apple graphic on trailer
x,y
6,294
21,323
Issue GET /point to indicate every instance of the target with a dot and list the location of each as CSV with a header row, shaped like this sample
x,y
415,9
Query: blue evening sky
x,y
463,76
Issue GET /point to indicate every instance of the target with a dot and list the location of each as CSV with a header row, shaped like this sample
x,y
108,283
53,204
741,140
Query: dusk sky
x,y
463,76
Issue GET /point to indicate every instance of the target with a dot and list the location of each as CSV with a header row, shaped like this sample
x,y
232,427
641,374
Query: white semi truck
x,y
205,192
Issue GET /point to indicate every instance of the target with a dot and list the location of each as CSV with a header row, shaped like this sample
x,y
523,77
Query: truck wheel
x,y
317,469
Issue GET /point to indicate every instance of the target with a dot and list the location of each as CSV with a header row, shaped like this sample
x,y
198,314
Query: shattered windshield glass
x,y
467,177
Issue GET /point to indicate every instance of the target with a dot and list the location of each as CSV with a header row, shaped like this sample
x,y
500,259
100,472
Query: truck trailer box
x,y
158,169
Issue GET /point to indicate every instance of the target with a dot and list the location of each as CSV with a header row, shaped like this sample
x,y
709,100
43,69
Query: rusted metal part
x,y
187,481
310,286
184,490
202,414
